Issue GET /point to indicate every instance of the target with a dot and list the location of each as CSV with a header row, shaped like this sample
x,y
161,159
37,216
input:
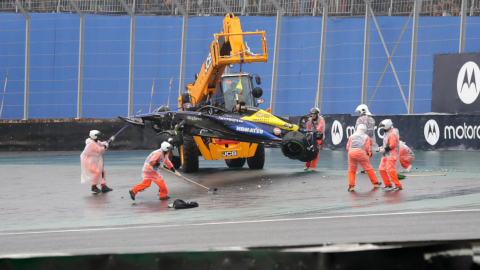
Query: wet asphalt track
x,y
45,210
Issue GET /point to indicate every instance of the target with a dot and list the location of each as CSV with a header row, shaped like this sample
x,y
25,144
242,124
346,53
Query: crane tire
x,y
257,161
190,155
235,162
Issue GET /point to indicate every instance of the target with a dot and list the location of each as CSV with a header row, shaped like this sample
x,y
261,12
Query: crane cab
x,y
235,89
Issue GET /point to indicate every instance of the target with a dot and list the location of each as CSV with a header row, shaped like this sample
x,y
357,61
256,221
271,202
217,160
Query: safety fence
x,y
101,66
248,7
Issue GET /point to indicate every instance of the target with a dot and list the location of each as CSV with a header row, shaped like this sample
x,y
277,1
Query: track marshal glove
x,y
381,150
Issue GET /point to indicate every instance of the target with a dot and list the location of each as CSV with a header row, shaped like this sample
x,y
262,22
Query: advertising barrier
x,y
456,83
420,132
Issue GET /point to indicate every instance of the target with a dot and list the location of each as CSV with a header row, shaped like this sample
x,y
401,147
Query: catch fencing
x,y
342,8
102,59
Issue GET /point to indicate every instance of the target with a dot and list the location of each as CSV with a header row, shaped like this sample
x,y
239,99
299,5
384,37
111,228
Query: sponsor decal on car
x,y
288,125
260,115
193,118
229,154
277,131
249,130
230,119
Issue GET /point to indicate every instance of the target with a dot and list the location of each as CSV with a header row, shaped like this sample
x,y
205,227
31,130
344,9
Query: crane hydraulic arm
x,y
227,48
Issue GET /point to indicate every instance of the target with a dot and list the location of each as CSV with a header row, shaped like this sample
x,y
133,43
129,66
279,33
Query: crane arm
x,y
227,48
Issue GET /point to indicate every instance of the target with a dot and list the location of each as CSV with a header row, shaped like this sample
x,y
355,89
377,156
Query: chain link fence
x,y
293,8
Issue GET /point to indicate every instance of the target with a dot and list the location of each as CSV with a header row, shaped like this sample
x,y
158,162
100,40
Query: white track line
x,y
236,222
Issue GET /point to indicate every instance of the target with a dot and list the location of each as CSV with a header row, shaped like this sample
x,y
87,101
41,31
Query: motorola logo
x,y
431,131
337,132
467,86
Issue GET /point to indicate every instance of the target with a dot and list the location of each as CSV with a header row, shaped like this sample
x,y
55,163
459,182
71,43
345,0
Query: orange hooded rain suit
x,y
318,125
150,172
406,155
359,147
370,123
387,164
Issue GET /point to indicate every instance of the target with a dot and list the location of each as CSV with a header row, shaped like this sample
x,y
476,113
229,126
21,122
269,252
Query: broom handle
x,y
187,179
425,175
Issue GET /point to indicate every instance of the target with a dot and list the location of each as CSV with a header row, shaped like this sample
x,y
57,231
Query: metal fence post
x,y
225,7
278,30
413,63
472,8
366,50
80,58
323,41
27,60
183,47
463,26
132,56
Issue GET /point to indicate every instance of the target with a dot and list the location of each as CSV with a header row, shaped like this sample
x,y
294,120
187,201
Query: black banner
x,y
420,132
456,83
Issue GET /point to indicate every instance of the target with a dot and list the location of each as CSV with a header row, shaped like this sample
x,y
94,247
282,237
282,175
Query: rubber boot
x,y
95,189
106,189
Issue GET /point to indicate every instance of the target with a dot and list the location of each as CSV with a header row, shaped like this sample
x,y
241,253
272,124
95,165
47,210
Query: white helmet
x,y
386,124
94,134
368,113
166,146
362,108
315,110
362,128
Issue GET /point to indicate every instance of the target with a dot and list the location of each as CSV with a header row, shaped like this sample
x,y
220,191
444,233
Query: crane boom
x,y
227,48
